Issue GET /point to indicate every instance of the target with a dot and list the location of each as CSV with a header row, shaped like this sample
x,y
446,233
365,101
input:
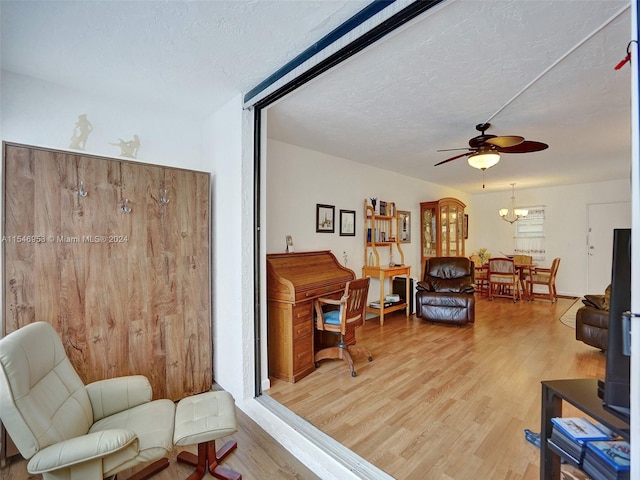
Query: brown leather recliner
x,y
446,293
592,320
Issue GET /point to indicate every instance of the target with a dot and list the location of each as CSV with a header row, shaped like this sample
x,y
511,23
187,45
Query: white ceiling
x,y
420,89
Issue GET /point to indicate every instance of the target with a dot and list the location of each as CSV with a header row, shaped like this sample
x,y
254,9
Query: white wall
x,y
43,114
222,134
565,225
299,178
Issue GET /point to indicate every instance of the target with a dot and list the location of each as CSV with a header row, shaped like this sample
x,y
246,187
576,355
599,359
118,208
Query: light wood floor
x,y
258,457
442,402
437,402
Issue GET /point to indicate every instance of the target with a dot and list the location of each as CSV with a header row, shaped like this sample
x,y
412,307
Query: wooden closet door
x,y
129,293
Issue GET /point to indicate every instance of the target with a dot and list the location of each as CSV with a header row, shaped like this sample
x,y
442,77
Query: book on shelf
x,y
608,460
376,304
567,452
571,434
579,429
383,208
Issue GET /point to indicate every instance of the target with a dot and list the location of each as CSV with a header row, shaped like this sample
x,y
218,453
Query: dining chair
x,y
503,279
523,265
522,259
350,314
481,274
545,277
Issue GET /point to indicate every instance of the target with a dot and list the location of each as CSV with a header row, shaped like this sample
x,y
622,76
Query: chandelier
x,y
513,214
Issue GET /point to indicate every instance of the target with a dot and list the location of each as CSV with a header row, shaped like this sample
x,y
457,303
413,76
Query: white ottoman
x,y
201,419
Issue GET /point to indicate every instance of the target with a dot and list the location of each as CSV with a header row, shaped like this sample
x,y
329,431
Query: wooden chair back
x,y
522,259
352,307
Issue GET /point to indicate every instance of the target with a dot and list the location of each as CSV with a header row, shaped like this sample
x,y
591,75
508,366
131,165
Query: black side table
x,y
583,394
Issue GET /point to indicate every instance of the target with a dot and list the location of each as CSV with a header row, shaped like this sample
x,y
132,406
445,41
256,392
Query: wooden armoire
x,y
115,255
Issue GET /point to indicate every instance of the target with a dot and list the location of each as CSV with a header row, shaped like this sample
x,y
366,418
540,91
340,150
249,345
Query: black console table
x,y
583,394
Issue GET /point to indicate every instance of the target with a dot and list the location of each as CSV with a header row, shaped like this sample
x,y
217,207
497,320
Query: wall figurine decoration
x,y
128,149
81,132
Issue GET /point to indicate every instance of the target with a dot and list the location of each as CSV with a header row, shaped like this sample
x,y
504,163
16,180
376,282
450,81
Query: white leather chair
x,y
70,431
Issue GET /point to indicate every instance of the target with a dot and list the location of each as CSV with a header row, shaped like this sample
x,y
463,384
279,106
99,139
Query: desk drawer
x,y
321,292
302,321
303,354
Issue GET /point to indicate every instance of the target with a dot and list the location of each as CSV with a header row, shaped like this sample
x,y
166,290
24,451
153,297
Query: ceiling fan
x,y
485,149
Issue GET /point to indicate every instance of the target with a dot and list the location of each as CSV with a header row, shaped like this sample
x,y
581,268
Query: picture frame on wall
x,y
404,226
325,218
347,223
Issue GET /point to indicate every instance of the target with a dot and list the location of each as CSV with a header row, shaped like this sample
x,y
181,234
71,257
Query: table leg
x,y
381,299
549,461
407,296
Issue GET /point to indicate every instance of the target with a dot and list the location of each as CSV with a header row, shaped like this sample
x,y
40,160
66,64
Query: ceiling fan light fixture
x,y
483,160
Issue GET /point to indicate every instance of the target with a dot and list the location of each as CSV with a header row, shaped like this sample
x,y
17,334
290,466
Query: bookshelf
x,y
381,236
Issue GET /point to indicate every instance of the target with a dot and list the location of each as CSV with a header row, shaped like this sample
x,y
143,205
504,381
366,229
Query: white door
x,y
603,218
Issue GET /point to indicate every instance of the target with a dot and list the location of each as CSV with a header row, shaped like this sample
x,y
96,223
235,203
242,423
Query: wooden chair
x,y
522,259
481,275
351,313
503,279
523,272
545,277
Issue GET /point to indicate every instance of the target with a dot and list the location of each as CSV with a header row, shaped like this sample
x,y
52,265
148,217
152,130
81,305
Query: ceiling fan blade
x,y
505,141
453,158
452,149
525,147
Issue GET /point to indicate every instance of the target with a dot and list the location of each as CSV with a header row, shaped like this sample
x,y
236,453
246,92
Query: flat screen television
x,y
616,388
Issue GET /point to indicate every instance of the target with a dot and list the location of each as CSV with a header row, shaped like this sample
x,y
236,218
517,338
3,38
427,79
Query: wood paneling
x,y
128,293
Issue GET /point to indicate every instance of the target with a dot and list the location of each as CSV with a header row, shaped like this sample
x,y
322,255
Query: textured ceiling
x,y
418,90
427,87
193,55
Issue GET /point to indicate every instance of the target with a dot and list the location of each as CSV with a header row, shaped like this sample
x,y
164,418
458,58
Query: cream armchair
x,y
70,431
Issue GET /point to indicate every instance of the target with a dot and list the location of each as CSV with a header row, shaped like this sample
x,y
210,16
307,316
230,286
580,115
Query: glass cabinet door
x,y
453,231
428,233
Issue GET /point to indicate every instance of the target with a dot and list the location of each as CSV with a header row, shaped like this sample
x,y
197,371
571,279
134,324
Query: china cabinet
x,y
442,228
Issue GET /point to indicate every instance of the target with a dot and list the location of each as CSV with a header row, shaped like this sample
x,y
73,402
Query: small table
x,y
583,394
389,272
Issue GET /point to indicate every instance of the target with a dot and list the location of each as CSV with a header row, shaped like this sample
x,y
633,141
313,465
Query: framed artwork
x,y
404,226
347,223
325,218
465,226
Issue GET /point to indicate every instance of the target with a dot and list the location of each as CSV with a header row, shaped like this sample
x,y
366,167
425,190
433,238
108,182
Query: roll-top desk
x,y
294,281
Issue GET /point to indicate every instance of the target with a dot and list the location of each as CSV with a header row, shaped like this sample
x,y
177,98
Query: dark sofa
x,y
592,320
446,292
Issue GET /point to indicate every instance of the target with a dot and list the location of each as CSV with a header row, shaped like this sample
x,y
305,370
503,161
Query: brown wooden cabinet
x,y
128,292
442,228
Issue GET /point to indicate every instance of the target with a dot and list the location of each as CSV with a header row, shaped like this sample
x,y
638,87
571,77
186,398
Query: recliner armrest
x,y
81,449
115,395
